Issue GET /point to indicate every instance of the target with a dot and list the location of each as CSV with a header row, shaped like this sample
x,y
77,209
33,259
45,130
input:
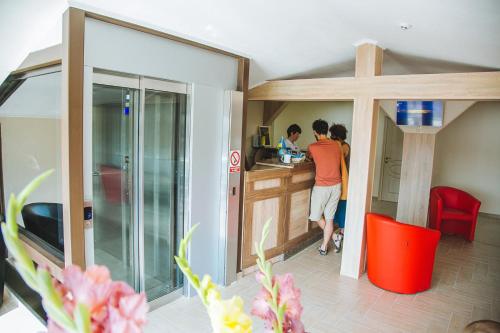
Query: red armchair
x,y
400,257
453,211
111,179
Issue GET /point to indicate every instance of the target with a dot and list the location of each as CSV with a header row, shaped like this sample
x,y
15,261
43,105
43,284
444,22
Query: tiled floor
x,y
466,287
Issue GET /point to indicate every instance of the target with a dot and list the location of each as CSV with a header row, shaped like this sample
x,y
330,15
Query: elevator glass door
x,y
139,142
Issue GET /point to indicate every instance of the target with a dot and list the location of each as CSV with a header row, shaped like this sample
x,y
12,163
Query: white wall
x,y
124,50
31,146
255,114
304,113
467,155
205,178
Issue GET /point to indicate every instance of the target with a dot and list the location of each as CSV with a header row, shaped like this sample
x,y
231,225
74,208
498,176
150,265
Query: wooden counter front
x,y
282,194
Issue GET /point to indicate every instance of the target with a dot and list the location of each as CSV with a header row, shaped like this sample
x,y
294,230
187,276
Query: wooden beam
x,y
454,86
272,110
416,178
72,136
335,89
364,137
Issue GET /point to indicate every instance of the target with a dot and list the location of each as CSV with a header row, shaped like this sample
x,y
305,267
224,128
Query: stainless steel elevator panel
x,y
232,166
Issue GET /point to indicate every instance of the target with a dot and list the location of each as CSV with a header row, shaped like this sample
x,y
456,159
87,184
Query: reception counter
x,y
282,193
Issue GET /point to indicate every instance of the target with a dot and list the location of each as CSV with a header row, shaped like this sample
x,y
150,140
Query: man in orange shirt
x,y
327,188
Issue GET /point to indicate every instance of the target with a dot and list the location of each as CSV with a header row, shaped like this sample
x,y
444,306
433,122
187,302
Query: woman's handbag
x,y
344,173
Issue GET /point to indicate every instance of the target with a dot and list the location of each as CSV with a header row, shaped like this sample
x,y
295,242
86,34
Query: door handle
x,y
387,159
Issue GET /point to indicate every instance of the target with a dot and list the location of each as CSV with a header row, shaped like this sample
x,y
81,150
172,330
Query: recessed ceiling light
x,y
405,26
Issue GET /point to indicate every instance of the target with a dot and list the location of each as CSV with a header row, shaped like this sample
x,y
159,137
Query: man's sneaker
x,y
337,242
322,252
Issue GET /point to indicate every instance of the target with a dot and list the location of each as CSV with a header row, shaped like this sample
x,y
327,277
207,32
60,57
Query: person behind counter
x,y
293,133
338,133
325,194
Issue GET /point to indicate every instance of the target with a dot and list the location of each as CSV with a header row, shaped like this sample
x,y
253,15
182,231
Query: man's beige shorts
x,y
324,200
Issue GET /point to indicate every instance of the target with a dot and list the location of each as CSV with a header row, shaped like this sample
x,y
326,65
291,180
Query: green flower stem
x,y
39,280
182,261
225,316
266,269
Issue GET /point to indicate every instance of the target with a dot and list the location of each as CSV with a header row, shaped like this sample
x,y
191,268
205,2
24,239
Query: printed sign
x,y
234,161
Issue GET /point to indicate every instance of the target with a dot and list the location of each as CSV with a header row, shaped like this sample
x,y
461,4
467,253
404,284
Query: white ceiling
x,y
289,38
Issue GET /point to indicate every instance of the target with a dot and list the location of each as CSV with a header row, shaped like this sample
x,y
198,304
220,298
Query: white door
x,y
391,159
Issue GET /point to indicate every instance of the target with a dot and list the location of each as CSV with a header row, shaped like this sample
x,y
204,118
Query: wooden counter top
x,y
275,163
261,172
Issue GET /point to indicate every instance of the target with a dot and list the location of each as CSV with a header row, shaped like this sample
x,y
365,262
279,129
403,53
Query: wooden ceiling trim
x,y
455,86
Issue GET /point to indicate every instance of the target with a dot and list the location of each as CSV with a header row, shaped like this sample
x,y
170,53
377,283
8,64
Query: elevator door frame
x,y
142,84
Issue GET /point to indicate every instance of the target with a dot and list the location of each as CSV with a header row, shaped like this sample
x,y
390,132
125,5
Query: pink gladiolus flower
x,y
114,306
129,316
288,295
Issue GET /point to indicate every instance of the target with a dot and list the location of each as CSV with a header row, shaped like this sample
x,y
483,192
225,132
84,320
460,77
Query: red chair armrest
x,y
469,203
435,210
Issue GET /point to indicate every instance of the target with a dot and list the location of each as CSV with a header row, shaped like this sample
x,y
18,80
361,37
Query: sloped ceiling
x,y
289,38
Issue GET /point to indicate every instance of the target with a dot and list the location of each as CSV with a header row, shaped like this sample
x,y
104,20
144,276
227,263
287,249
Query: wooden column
x,y
416,177
243,75
72,136
368,60
364,134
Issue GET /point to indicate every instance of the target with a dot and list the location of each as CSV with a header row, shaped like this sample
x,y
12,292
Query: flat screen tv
x,y
419,113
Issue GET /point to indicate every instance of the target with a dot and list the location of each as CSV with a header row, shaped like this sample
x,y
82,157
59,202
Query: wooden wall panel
x,y
416,178
299,213
265,184
264,210
302,177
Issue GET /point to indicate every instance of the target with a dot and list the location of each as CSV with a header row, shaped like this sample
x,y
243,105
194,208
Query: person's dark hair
x,y
294,128
320,126
338,131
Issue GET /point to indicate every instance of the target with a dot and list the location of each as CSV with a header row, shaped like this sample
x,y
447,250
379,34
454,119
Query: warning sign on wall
x,y
234,161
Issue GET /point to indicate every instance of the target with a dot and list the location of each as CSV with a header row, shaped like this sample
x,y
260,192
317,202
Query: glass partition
x,y
30,134
138,156
114,109
164,133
